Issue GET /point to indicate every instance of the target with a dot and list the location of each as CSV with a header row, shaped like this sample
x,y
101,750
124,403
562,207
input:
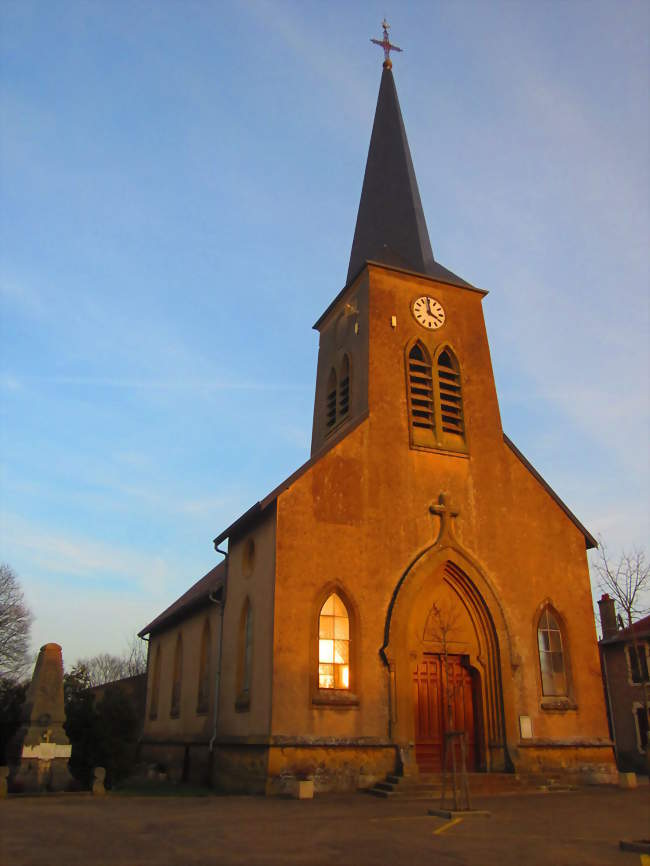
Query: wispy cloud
x,y
153,384
78,556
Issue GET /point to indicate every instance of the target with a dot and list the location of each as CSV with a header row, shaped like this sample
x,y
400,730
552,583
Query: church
x,y
416,576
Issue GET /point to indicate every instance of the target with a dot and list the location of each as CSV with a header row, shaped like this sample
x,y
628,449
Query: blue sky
x,y
180,184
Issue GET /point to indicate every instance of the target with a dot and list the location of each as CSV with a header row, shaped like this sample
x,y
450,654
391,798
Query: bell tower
x,y
390,231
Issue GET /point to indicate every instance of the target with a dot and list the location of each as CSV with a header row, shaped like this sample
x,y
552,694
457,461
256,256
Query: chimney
x,y
607,616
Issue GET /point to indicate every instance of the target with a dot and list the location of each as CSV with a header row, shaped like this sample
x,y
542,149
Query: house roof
x,y
196,597
390,227
640,628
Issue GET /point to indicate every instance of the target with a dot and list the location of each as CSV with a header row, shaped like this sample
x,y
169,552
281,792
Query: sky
x,y
179,188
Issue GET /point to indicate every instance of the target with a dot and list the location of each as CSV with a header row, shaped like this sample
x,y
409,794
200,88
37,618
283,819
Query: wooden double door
x,y
444,699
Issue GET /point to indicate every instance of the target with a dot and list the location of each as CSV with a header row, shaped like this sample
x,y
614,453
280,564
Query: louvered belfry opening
x,y
451,401
344,388
421,390
330,401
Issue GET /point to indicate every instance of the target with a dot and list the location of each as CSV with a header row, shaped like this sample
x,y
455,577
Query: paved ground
x,y
574,828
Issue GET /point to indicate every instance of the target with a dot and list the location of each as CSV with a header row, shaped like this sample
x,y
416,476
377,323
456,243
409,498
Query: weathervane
x,y
386,45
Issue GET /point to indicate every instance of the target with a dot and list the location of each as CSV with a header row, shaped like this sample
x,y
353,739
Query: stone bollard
x,y
98,781
627,780
4,776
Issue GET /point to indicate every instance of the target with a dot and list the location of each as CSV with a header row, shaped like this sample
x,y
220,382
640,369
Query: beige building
x,y
415,576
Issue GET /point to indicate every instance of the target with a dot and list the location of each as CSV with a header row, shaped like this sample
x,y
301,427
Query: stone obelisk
x,y
39,753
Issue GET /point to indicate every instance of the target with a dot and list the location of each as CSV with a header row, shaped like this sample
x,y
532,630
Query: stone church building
x,y
415,575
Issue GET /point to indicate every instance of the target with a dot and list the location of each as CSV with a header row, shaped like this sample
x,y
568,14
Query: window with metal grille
x,y
420,388
330,400
551,655
451,401
344,388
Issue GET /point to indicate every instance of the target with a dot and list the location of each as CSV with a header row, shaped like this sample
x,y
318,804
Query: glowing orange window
x,y
334,645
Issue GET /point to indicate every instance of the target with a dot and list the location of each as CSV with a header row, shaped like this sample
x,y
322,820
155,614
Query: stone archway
x,y
439,577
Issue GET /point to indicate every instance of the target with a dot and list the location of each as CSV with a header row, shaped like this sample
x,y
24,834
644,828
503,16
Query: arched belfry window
x,y
435,399
331,400
551,654
420,394
204,670
344,388
450,396
334,645
337,395
178,678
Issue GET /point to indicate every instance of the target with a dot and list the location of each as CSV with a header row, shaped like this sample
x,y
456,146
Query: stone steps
x,y
427,786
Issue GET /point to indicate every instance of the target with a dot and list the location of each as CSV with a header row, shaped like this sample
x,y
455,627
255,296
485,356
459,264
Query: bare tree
x,y
15,626
445,622
626,580
135,656
106,668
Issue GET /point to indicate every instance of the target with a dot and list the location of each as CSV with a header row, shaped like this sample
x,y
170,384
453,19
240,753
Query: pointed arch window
x,y
450,396
203,695
344,388
245,657
155,686
337,395
435,399
551,655
334,645
177,681
330,400
420,392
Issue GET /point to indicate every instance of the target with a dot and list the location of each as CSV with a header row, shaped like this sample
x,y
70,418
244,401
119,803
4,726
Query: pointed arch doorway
x,y
444,581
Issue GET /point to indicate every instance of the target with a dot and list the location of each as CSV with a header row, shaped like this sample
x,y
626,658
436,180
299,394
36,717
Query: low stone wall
x,y
584,763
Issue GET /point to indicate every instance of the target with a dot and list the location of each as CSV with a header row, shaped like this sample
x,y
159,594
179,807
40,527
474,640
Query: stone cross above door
x,y
444,509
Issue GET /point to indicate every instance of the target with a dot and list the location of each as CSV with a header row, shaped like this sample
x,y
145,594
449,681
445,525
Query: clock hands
x,y
428,312
433,315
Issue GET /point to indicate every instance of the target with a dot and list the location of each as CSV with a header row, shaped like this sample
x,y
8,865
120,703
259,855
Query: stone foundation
x,y
584,762
273,769
178,762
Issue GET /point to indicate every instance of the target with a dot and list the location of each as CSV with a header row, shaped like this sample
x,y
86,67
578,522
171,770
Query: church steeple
x,y
391,228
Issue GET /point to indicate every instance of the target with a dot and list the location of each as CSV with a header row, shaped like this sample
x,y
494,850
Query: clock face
x,y
428,312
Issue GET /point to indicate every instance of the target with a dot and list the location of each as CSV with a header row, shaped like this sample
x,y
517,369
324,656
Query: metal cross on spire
x,y
386,45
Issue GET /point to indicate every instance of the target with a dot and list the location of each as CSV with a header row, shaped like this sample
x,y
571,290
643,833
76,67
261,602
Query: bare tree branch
x,y
15,626
626,580
105,668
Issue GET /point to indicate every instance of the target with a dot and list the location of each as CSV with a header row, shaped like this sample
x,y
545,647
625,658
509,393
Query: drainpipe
x,y
603,655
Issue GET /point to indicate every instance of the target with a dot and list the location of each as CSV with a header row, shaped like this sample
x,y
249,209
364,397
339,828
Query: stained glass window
x,y
334,645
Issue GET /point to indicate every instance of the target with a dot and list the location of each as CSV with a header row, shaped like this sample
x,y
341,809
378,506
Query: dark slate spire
x,y
391,228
